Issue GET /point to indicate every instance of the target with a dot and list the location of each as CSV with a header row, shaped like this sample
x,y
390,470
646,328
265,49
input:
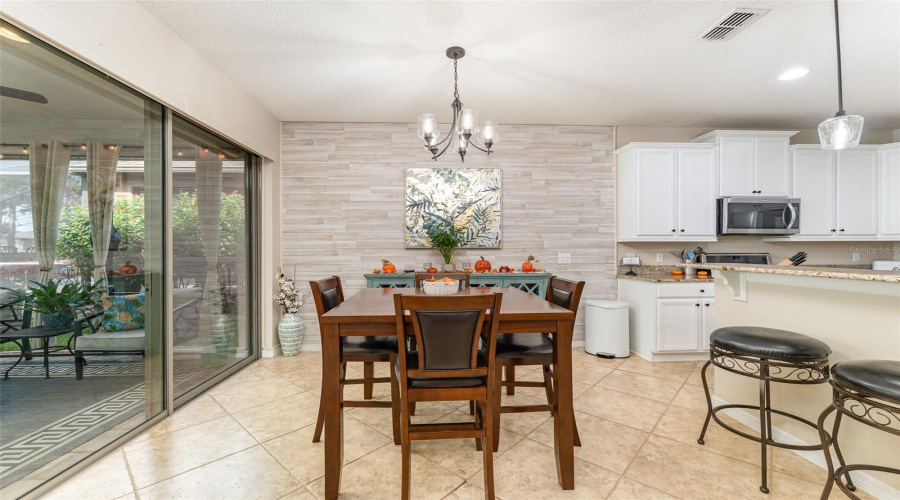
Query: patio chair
x,y
106,340
15,315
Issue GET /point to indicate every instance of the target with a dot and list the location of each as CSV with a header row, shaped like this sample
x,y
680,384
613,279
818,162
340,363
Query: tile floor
x,y
250,437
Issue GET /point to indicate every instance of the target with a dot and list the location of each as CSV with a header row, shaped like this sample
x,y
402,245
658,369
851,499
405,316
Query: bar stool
x,y
769,355
867,391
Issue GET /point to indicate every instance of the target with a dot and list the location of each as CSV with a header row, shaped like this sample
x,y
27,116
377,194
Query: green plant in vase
x,y
444,236
57,304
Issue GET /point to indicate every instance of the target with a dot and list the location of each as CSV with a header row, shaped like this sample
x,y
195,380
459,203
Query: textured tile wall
x,y
342,202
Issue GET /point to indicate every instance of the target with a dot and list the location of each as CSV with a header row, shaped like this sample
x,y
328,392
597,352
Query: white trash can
x,y
606,328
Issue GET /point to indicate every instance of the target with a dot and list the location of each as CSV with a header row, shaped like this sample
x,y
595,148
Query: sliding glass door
x,y
104,190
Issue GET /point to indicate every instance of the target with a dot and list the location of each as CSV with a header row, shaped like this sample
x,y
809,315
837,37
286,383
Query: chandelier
x,y
465,128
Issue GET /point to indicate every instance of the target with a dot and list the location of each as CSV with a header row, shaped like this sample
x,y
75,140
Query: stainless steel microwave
x,y
758,215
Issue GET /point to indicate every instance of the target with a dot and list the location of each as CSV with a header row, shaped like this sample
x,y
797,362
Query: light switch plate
x,y
631,261
659,258
565,258
855,256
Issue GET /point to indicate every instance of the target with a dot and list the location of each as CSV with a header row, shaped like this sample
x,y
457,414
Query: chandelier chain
x,y
455,81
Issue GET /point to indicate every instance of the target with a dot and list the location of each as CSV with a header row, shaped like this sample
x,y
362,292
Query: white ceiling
x,y
606,63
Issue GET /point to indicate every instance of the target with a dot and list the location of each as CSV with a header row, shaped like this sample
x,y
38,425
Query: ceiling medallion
x,y
465,127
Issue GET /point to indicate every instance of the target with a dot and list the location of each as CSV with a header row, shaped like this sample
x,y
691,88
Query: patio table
x,y
371,312
37,332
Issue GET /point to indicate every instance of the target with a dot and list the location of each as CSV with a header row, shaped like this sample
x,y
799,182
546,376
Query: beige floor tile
x,y
633,411
522,423
282,365
696,379
130,496
354,392
689,472
306,460
253,373
469,491
672,370
578,387
691,396
254,393
167,455
279,417
380,418
645,386
580,356
203,409
792,464
589,371
377,476
106,479
628,489
787,487
604,443
252,473
298,494
528,470
684,425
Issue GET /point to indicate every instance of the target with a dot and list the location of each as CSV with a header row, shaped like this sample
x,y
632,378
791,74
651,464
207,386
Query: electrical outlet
x,y
659,258
855,256
565,258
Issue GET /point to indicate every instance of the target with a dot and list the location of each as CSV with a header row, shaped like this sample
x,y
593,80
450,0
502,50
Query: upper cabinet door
x,y
736,161
814,185
697,193
889,184
656,192
773,166
857,194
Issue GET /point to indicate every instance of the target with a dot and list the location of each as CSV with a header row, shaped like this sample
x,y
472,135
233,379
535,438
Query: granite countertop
x,y
657,277
819,272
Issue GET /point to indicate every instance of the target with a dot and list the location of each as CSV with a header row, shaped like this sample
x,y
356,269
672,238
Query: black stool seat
x,y
879,377
370,345
769,343
523,345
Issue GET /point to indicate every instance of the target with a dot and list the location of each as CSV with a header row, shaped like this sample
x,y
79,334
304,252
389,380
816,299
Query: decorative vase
x,y
450,267
58,321
290,333
223,329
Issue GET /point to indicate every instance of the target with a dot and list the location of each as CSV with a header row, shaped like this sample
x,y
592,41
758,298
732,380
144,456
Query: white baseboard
x,y
862,480
271,353
577,343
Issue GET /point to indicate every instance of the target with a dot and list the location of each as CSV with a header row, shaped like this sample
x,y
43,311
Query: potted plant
x,y
291,326
57,304
444,236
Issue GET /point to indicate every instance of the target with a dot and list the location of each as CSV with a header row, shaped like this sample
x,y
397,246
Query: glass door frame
x,y
253,185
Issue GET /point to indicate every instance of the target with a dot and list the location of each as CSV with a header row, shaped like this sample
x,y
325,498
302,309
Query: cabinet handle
x,y
698,305
683,230
842,230
702,291
707,305
832,230
673,230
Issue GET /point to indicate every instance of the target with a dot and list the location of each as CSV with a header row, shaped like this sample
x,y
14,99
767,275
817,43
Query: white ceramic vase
x,y
290,333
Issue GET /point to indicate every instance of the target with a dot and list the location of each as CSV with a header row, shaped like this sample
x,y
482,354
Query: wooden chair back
x,y
462,277
447,331
327,294
565,293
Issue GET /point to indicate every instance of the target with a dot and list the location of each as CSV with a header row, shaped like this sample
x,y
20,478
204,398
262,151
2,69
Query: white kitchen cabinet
x,y
838,192
666,192
669,321
752,163
889,191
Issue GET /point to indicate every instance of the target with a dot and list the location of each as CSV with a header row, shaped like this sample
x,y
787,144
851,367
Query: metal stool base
x,y
769,441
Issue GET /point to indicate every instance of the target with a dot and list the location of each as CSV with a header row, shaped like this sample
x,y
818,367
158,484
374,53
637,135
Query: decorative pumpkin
x,y
387,267
376,271
431,270
128,268
482,265
527,266
505,269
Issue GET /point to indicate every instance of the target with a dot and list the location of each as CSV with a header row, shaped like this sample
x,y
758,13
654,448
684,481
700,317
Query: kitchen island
x,y
855,311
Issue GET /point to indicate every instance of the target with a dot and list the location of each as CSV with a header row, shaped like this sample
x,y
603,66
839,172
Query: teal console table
x,y
533,283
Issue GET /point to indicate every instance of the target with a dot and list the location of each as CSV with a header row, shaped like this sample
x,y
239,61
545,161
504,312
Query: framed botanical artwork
x,y
469,198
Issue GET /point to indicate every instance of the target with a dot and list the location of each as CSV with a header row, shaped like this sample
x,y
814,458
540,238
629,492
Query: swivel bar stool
x,y
868,392
769,355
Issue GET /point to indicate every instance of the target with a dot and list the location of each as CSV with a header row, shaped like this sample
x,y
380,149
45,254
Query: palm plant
x,y
58,304
444,236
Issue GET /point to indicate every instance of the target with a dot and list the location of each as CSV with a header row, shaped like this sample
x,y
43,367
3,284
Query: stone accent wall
x,y
343,199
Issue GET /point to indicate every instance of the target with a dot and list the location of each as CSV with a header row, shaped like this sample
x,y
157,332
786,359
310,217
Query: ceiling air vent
x,y
732,24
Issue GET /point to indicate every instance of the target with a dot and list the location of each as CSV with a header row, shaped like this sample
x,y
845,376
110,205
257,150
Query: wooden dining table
x,y
371,312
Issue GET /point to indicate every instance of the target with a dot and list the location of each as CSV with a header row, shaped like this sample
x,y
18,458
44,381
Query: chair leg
x,y
548,383
320,420
479,423
763,434
368,373
496,396
829,483
412,409
79,366
405,451
471,407
837,449
487,451
395,402
708,402
510,377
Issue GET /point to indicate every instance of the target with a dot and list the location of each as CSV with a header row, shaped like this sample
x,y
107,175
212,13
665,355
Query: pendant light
x,y
843,131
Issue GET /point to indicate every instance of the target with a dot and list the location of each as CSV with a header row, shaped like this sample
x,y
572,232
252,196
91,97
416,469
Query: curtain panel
x,y
101,190
209,208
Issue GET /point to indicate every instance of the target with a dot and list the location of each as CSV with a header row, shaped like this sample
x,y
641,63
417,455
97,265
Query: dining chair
x,y
448,366
462,277
529,349
328,294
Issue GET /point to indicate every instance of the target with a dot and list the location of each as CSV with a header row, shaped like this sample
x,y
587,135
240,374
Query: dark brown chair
x,y
327,294
448,366
462,277
529,349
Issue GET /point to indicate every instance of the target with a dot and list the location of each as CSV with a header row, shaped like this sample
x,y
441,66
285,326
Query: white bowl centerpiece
x,y
440,287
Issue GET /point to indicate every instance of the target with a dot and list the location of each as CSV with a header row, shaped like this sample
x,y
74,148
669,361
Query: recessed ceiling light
x,y
8,33
793,74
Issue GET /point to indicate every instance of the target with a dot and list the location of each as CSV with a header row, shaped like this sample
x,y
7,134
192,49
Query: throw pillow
x,y
123,312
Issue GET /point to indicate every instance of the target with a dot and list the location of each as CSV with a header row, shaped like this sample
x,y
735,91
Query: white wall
x,y
126,41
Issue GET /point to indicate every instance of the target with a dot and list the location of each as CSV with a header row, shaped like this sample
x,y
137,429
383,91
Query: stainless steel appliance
x,y
735,258
778,216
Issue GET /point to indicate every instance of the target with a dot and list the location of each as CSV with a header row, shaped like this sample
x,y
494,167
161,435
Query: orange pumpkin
x,y
527,266
431,270
128,268
387,267
482,265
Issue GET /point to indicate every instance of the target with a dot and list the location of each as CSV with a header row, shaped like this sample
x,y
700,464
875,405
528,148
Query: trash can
x,y
606,328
